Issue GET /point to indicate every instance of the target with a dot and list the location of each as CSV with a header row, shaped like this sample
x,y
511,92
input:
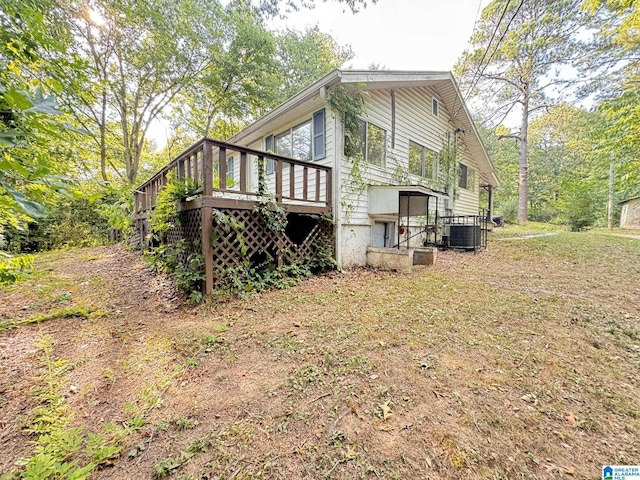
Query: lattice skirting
x,y
254,243
258,244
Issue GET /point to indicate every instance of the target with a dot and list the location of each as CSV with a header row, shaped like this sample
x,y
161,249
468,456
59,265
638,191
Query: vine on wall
x,y
348,104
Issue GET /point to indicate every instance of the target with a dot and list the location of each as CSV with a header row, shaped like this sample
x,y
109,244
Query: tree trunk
x,y
103,136
523,179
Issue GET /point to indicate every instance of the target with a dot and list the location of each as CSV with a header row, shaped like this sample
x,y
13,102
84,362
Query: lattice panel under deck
x,y
189,228
262,244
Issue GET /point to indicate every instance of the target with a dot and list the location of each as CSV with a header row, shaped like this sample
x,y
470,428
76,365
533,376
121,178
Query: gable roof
x,y
630,199
444,82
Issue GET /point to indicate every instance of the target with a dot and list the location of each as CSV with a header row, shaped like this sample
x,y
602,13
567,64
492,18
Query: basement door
x,y
382,234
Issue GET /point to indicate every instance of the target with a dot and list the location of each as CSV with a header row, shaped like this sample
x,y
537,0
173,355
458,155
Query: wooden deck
x,y
302,189
298,186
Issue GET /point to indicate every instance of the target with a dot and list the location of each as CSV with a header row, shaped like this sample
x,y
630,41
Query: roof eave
x,y
298,99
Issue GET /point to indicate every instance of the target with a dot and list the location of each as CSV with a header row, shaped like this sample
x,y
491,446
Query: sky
x,y
394,34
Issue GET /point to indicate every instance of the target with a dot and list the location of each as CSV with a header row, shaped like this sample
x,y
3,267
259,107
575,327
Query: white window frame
x,y
423,156
318,139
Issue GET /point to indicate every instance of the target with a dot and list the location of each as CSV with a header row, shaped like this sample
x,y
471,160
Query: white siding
x,y
414,121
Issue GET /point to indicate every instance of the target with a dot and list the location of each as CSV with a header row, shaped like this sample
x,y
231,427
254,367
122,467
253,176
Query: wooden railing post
x,y
207,167
207,218
329,188
305,183
278,180
292,181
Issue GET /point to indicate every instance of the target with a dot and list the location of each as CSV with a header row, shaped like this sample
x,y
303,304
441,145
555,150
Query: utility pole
x,y
610,204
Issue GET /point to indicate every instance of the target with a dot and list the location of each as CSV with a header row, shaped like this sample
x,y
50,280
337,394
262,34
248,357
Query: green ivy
x,y
163,217
181,260
348,104
13,268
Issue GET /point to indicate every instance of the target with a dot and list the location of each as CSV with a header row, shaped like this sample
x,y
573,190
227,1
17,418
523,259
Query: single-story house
x,y
387,154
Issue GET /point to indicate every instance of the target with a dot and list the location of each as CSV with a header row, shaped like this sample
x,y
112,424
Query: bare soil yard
x,y
519,362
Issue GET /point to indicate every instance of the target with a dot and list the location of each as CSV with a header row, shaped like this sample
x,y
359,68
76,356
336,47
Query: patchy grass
x,y
517,362
526,228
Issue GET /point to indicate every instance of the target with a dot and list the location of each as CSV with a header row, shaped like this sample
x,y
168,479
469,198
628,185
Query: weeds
x,y
60,451
57,313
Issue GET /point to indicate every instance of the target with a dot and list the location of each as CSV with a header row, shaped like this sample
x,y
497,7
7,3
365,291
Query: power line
x,y
475,22
476,76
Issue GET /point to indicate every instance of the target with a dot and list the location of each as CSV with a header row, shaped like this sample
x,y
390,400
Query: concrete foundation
x,y
425,256
400,260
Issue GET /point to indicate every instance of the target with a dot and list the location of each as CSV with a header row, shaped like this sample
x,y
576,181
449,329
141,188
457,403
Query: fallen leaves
x,y
385,410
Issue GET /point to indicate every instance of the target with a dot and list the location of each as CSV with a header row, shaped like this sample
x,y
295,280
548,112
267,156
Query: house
x,y
630,214
389,154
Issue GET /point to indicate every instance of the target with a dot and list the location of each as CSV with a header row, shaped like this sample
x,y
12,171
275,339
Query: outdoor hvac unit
x,y
464,236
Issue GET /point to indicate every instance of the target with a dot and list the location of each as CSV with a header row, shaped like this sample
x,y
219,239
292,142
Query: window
x,y
467,177
435,107
306,141
371,144
268,146
230,164
301,142
422,161
319,137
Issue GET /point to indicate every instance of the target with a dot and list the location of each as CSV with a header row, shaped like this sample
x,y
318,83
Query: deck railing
x,y
205,163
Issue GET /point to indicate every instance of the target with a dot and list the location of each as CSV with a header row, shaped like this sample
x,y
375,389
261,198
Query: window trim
x,y
470,173
435,168
365,143
270,140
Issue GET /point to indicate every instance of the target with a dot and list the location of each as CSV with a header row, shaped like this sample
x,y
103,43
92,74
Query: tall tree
x,y
306,56
238,84
518,51
616,59
144,53
34,68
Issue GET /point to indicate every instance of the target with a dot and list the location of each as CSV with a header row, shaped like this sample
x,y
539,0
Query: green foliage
x,y
183,264
508,209
57,444
71,312
348,105
164,216
34,68
272,216
579,205
182,260
304,57
14,268
519,65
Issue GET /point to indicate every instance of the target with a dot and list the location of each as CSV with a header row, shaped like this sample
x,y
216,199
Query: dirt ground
x,y
521,361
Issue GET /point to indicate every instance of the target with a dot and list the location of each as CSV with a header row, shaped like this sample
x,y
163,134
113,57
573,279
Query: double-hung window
x,y
467,178
422,161
302,142
371,144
